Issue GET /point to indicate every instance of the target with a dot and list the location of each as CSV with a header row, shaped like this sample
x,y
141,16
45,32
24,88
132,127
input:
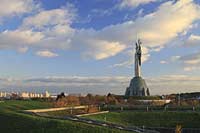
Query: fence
x,y
172,130
150,108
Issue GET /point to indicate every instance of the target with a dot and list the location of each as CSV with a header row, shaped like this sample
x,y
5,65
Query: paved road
x,y
98,123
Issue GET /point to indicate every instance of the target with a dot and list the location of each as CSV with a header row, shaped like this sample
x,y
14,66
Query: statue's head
x,y
139,42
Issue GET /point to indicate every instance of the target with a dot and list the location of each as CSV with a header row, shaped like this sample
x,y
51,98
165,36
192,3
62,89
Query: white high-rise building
x,y
46,94
24,95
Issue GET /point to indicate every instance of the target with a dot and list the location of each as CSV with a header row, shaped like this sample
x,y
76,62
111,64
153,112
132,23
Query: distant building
x,y
46,94
4,95
24,95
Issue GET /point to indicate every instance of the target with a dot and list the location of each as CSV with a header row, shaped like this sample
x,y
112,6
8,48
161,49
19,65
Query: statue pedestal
x,y
137,87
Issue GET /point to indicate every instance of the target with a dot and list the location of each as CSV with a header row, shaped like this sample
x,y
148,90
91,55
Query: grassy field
x,y
152,119
13,121
63,113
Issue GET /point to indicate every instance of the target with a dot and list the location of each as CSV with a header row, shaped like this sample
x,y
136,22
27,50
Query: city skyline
x,y
87,46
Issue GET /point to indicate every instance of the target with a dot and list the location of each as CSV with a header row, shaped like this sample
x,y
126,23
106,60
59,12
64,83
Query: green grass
x,y
14,105
12,120
152,119
63,113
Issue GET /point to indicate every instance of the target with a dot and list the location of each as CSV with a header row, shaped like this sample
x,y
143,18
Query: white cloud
x,y
55,25
101,12
189,62
19,38
193,40
191,59
51,29
168,21
23,49
44,30
133,3
46,53
24,35
175,58
102,85
123,64
100,49
49,18
156,30
191,68
9,8
168,84
71,84
145,54
194,37
163,62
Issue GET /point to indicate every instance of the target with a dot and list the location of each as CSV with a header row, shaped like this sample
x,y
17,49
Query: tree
x,y
110,99
60,96
73,100
148,93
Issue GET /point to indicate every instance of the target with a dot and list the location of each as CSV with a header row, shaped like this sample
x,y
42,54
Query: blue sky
x,y
44,44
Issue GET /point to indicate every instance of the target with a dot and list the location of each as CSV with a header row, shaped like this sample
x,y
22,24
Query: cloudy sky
x,y
86,46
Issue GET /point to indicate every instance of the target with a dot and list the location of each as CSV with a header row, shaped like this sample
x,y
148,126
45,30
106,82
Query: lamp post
x,y
179,99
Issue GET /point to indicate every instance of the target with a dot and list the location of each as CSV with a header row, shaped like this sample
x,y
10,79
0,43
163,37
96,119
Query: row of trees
x,y
90,99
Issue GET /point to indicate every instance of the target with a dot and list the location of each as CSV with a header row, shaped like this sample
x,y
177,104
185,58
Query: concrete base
x,y
137,87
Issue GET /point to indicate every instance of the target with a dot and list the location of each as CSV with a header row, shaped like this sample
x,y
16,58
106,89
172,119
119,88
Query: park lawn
x,y
63,113
60,113
12,120
18,105
151,119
